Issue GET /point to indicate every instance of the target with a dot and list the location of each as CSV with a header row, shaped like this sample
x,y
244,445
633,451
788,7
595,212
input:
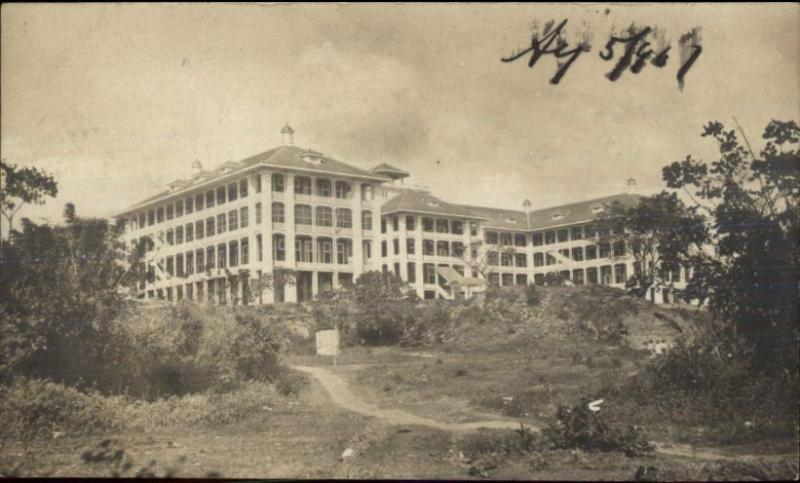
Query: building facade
x,y
291,223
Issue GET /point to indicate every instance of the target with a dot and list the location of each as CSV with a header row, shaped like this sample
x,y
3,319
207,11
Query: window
x,y
564,252
410,246
383,225
428,273
549,259
366,220
410,223
304,249
170,237
605,274
325,250
189,203
619,248
342,189
198,201
170,212
605,250
591,252
302,185
259,244
458,227
522,279
198,229
577,276
279,247
563,235
508,279
367,249
458,249
395,224
302,215
233,253
590,232
520,260
344,218
442,226
549,237
210,226
210,261
324,216
591,275
538,279
221,223
178,208
411,272
396,246
324,187
244,247
519,239
619,273
538,240
233,220
473,228
221,255
278,213
170,266
258,183
427,247
344,250
209,198
577,234
494,279
160,215
491,258
244,217
277,183
220,195
491,237
577,254
384,251
427,224
258,213
189,232
538,259
179,235
505,239
243,191
442,248
199,260
232,193
506,259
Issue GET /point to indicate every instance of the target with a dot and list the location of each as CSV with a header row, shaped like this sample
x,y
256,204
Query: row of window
x,y
543,238
194,203
430,225
303,185
223,255
231,221
305,250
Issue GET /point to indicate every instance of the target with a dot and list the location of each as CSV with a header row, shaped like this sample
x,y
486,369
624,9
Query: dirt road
x,y
342,395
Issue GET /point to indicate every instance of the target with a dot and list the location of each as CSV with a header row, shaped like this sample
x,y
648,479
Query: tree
x,y
660,232
484,262
751,202
21,186
382,307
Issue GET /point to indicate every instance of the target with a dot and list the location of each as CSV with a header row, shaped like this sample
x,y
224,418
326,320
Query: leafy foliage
x,y
382,307
22,186
751,203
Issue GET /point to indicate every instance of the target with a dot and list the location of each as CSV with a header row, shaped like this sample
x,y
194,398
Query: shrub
x,y
579,427
532,296
383,309
501,443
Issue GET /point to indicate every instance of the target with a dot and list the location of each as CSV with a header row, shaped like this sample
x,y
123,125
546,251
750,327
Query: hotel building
x,y
320,223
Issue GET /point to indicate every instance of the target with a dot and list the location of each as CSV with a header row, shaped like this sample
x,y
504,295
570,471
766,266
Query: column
x,y
358,235
402,257
290,290
420,257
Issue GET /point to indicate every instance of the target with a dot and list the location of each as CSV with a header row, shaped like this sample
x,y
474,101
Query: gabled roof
x,y
576,212
415,201
390,170
288,156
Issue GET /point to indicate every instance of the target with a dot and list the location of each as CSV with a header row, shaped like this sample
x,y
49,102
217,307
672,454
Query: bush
x,y
532,296
501,443
581,428
32,408
383,308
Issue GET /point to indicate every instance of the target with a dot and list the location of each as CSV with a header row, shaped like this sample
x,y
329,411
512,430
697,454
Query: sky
x,y
118,100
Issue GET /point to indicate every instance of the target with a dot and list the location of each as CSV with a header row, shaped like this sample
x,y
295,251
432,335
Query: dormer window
x,y
433,204
559,215
513,221
313,157
597,209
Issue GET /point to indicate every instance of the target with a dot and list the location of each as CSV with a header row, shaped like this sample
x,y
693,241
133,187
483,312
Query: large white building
x,y
308,223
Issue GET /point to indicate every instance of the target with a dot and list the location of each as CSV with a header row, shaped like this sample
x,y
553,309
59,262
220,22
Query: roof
x,y
456,279
503,219
287,156
416,201
390,170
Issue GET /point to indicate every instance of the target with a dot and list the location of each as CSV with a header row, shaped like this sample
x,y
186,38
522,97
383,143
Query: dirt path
x,y
343,396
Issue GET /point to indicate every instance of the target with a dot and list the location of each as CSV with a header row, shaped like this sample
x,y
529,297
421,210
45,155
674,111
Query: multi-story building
x,y
209,237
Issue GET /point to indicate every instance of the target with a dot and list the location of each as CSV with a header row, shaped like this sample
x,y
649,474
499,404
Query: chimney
x,y
288,135
197,166
526,205
631,186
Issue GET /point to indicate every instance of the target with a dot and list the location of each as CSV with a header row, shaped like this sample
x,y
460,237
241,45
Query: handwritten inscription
x,y
635,50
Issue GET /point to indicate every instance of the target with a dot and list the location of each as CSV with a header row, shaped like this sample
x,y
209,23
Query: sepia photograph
x,y
408,241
